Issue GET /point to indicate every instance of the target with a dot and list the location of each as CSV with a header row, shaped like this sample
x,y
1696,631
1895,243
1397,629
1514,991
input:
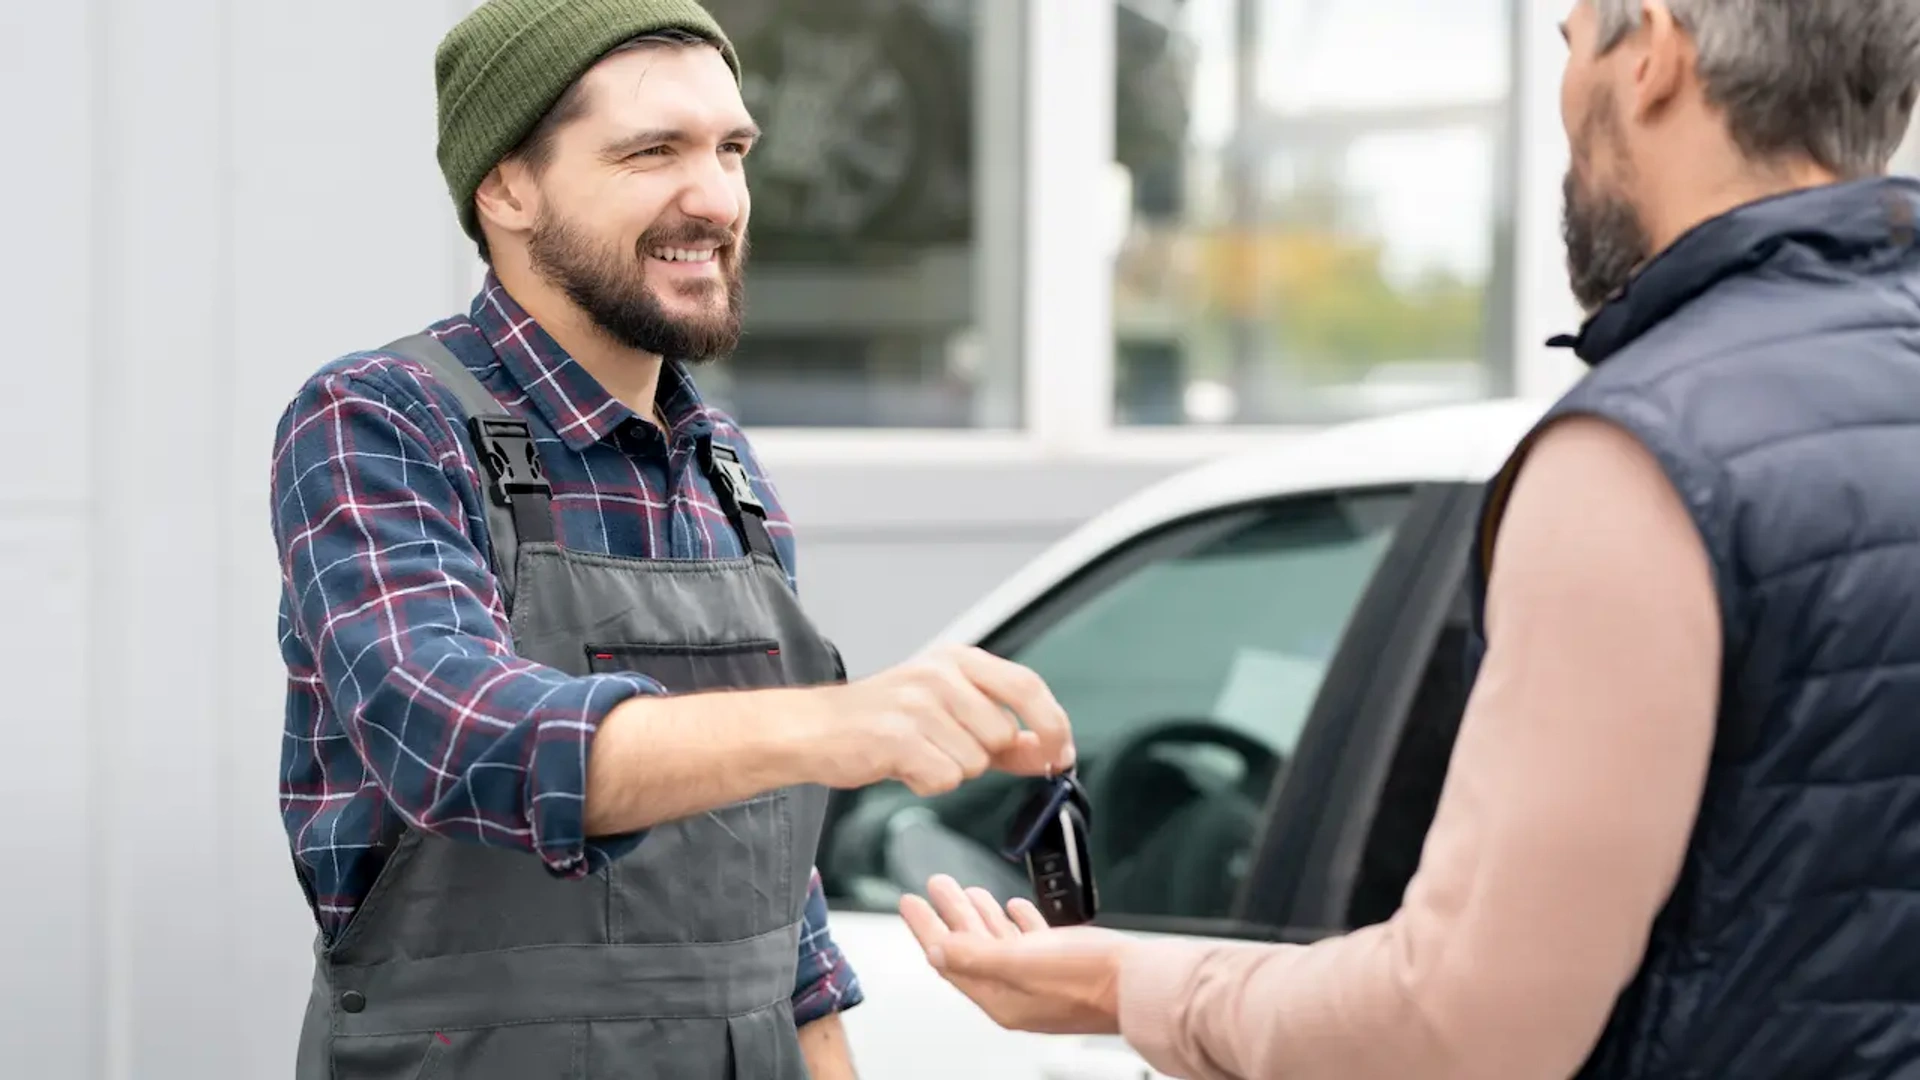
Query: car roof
x,y
1450,444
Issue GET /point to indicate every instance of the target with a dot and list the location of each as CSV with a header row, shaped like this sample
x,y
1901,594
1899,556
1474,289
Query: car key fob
x,y
1050,833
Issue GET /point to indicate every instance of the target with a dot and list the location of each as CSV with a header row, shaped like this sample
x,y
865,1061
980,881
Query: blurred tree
x,y
1327,302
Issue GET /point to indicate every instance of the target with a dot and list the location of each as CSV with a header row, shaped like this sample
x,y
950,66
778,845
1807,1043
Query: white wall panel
x,y
161,302
46,101
49,955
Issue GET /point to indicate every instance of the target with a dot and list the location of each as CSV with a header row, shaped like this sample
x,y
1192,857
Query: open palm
x,y
1020,971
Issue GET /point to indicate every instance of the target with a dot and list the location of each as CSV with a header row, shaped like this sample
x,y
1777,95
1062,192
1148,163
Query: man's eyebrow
x,y
640,140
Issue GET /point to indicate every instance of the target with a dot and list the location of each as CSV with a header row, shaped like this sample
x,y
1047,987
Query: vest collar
x,y
1835,220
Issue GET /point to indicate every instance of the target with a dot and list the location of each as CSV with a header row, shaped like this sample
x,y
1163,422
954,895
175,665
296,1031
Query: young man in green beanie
x,y
559,734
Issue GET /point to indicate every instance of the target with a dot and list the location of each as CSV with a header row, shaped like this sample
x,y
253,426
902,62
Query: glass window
x,y
870,248
1189,663
1317,194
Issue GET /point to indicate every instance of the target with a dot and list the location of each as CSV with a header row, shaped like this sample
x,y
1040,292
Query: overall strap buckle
x,y
516,479
732,474
734,488
507,451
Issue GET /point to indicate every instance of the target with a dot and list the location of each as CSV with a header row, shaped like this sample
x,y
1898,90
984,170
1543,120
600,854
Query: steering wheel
x,y
1128,776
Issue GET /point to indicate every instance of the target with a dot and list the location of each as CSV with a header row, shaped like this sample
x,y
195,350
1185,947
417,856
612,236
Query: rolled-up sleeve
x,y
1560,831
824,983
397,603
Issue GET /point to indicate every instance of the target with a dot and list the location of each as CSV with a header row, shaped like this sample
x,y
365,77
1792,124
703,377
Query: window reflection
x,y
1315,234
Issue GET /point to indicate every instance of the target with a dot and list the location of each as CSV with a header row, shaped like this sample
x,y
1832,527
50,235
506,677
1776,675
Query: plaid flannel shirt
x,y
405,703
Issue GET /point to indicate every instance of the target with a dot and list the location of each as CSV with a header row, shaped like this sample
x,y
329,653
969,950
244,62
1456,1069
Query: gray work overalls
x,y
677,961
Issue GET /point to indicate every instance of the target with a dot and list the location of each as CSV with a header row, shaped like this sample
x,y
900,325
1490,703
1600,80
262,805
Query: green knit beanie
x,y
504,65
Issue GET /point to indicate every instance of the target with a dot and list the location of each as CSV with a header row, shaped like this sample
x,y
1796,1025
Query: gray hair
x,y
1833,81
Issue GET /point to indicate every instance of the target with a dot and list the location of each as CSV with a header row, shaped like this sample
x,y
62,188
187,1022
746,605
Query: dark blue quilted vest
x,y
1770,359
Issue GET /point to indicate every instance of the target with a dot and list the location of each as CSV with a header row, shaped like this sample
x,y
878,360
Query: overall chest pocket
x,y
755,664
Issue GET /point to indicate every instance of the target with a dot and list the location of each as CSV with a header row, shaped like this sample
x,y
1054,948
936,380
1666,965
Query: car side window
x,y
1189,661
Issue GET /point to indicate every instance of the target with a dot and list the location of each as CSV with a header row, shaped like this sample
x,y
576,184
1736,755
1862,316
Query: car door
x,y
1203,663
1390,714
1404,656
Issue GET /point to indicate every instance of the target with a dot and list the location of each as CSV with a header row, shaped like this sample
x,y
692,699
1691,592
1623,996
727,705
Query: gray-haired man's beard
x,y
608,285
1606,242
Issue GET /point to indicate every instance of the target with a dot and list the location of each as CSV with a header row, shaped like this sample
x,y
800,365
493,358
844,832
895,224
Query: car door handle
x,y
1100,1058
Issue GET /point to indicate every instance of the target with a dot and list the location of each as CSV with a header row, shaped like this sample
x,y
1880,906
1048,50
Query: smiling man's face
x,y
643,201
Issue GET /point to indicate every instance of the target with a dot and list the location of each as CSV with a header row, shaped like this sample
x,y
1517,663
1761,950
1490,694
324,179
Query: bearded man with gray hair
x,y
1680,832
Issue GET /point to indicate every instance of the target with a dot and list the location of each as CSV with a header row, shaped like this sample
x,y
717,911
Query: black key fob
x,y
1050,833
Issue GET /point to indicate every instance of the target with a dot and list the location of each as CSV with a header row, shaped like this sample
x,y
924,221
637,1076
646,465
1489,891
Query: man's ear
x,y
507,198
1664,63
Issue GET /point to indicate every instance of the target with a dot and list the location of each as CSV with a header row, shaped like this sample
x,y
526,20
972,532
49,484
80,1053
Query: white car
x,y
1263,660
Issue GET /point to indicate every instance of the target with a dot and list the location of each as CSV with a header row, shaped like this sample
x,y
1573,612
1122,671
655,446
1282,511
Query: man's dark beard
x,y
1606,241
610,286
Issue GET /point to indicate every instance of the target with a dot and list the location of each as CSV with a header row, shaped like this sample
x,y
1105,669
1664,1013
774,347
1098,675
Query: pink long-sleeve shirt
x,y
1568,804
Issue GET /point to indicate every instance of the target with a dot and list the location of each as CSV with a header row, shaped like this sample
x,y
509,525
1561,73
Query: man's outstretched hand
x,y
1023,973
932,723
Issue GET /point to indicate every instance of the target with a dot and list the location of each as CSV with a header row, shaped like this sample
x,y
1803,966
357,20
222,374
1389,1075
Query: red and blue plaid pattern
x,y
405,703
